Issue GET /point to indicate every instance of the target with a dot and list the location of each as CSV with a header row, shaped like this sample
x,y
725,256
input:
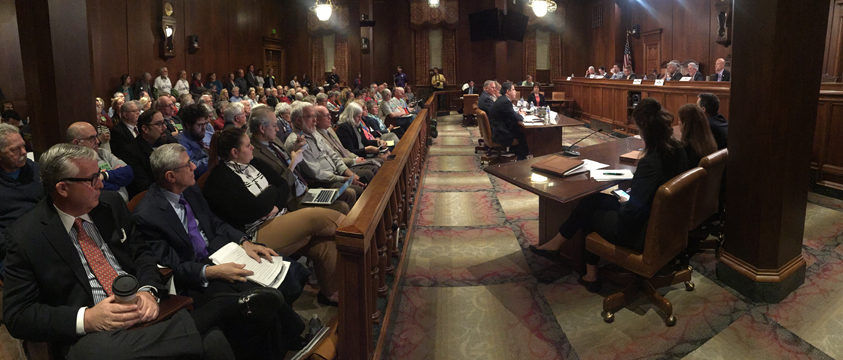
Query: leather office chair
x,y
495,153
667,237
469,103
707,217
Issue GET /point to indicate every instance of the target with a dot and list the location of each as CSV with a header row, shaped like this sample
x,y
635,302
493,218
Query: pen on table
x,y
613,173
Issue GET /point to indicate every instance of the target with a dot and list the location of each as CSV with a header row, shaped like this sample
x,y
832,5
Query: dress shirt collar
x,y
67,220
171,197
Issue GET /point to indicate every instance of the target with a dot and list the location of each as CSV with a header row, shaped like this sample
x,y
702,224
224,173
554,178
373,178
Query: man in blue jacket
x,y
116,175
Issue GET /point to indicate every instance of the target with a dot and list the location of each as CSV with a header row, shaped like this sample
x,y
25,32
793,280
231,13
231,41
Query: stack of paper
x,y
611,174
270,274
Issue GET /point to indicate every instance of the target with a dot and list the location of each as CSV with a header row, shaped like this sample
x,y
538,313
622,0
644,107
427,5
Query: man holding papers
x,y
505,123
176,223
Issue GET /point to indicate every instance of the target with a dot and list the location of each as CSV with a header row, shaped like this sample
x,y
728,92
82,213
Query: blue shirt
x,y
196,152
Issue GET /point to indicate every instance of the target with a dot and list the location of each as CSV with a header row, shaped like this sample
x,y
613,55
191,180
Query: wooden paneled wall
x,y
11,67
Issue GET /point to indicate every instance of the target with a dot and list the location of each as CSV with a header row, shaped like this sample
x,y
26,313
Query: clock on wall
x,y
168,30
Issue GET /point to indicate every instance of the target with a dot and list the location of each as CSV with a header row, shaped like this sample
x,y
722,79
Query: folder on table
x,y
559,165
632,156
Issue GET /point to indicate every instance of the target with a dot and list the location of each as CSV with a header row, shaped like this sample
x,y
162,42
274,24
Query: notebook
x,y
324,196
632,156
558,165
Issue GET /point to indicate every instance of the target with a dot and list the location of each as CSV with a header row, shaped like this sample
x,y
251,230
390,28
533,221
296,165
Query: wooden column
x,y
778,46
56,58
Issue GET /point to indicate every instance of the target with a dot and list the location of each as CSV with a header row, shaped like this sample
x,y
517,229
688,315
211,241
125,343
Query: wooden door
x,y
652,50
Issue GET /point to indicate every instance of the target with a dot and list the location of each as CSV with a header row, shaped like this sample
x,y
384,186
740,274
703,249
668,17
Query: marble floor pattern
x,y
469,288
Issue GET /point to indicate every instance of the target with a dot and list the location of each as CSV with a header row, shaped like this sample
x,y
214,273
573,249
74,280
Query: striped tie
x,y
102,270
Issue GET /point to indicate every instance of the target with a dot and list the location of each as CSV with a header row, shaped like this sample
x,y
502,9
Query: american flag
x,y
627,55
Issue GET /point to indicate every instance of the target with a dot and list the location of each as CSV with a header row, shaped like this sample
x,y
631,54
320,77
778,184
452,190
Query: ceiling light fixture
x,y
323,9
542,7
433,3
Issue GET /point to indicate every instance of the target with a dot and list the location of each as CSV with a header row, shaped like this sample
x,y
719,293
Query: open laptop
x,y
324,196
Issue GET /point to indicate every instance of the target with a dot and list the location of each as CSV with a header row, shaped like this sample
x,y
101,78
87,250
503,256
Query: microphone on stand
x,y
570,150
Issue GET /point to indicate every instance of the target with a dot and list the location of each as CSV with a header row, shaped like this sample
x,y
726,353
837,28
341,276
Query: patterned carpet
x,y
469,290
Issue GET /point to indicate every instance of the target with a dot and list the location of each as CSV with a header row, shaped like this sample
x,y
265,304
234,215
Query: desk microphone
x,y
571,152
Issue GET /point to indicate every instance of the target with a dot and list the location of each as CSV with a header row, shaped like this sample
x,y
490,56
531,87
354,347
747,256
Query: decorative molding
x,y
762,275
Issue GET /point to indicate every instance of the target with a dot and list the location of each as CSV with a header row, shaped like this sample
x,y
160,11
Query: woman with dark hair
x,y
241,195
623,221
126,87
536,97
696,134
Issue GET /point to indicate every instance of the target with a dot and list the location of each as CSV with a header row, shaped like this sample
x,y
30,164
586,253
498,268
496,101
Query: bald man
x,y
720,72
116,175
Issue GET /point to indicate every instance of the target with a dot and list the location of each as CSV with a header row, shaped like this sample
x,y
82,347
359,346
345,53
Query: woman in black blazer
x,y
354,134
623,221
244,197
536,98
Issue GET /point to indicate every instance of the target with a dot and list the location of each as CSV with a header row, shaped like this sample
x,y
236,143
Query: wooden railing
x,y
369,246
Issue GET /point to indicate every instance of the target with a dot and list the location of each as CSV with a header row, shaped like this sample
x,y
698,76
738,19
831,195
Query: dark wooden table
x,y
546,138
558,196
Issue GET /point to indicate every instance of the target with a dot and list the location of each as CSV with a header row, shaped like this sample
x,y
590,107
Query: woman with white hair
x,y
282,113
355,135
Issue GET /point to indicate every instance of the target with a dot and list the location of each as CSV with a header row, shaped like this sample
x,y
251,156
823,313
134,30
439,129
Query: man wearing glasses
x,y
63,257
151,130
20,185
116,175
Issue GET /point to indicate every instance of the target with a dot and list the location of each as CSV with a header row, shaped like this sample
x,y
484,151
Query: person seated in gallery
x,y
151,135
696,134
719,126
528,81
180,232
376,124
365,168
355,135
195,120
536,98
261,209
623,221
488,97
505,123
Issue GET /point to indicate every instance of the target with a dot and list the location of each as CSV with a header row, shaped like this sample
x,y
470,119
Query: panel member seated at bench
x,y
505,123
623,220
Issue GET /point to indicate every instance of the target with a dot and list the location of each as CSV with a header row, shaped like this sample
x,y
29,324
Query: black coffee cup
x,y
125,288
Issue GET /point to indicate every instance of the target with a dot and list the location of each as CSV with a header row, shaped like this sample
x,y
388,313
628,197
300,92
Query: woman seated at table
x,y
623,221
536,98
244,197
696,133
355,135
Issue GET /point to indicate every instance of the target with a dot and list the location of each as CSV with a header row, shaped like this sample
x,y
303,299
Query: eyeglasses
x,y
161,124
190,162
92,180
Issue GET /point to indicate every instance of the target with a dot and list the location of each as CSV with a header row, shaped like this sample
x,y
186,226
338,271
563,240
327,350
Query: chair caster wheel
x,y
670,321
689,286
607,316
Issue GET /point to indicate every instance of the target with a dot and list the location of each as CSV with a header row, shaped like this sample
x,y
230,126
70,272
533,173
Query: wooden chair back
x,y
468,103
669,223
485,129
133,203
708,195
558,95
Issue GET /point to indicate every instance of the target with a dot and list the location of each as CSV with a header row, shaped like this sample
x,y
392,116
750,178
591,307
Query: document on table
x,y
611,174
589,165
269,274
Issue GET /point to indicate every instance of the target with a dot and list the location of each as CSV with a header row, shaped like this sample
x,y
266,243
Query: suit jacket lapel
x,y
59,239
169,215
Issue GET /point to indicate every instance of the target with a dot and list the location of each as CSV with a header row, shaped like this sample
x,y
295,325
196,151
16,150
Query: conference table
x,y
558,196
546,137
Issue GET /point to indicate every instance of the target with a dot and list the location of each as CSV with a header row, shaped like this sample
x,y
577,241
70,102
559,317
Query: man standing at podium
x,y
506,123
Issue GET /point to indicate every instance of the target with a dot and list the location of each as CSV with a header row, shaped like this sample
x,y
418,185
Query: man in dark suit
x,y
123,133
63,257
151,129
720,72
505,123
487,98
470,89
627,73
694,72
719,126
673,72
174,219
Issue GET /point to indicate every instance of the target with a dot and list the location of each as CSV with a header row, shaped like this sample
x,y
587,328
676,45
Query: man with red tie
x,y
62,259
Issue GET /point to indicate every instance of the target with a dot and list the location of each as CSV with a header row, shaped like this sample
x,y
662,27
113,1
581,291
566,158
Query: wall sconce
x,y
542,7
323,9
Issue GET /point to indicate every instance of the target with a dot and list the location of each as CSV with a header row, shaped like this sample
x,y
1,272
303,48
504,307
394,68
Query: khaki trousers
x,y
310,232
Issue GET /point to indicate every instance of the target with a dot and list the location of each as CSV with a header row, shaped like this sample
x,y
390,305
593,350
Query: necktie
x,y
199,246
135,131
283,156
102,270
